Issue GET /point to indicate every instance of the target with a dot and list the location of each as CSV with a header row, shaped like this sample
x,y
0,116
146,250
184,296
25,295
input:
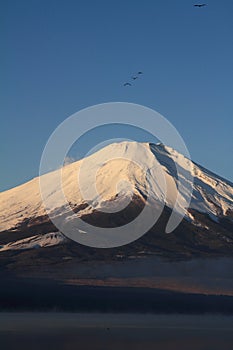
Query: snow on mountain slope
x,y
116,179
38,241
211,194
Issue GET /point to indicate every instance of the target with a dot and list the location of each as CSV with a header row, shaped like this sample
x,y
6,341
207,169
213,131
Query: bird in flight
x,y
200,5
127,84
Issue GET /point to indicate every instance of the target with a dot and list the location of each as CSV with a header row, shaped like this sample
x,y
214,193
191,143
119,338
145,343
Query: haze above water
x,y
111,331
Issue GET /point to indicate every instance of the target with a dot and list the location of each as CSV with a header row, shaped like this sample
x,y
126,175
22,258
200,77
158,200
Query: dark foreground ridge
x,y
44,295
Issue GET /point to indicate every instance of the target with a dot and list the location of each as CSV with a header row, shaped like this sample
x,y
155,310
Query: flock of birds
x,y
136,76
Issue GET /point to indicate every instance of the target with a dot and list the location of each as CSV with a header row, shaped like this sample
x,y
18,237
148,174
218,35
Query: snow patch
x,y
34,242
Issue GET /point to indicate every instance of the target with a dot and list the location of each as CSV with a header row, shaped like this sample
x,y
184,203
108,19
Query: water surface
x,y
71,331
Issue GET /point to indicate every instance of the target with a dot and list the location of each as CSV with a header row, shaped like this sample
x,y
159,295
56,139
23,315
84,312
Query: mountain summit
x,y
112,188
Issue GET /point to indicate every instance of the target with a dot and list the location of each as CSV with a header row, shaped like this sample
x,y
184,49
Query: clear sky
x,y
59,56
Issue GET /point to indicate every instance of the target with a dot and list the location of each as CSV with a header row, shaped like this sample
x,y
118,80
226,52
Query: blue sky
x,y
59,56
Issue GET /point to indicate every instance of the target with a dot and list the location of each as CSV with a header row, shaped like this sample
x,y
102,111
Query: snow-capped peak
x,y
121,169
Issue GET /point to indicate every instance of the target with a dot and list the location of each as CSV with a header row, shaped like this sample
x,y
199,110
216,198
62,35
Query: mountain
x,y
127,174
